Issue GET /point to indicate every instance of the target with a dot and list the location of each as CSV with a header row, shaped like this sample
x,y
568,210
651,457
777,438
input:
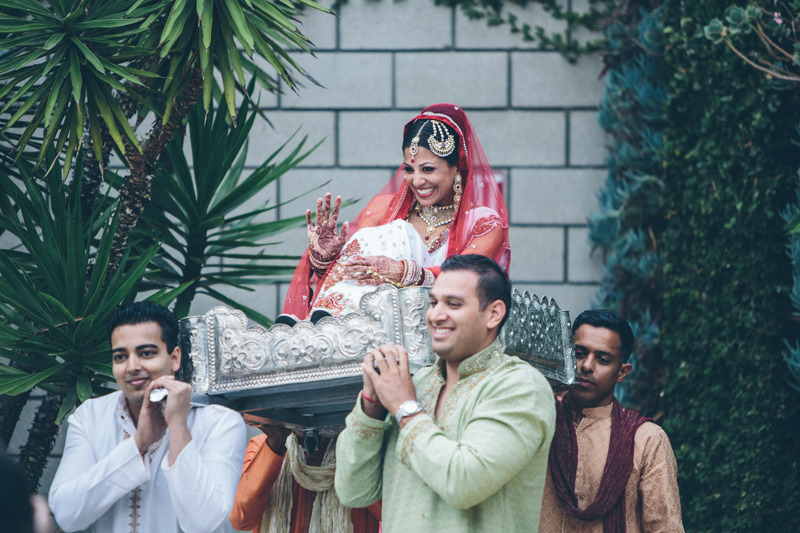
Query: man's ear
x,y
176,358
624,370
497,310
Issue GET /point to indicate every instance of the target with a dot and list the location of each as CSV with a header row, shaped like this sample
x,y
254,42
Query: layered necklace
x,y
435,216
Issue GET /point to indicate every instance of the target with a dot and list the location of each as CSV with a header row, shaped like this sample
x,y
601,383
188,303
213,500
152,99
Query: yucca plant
x,y
195,211
66,59
93,65
56,294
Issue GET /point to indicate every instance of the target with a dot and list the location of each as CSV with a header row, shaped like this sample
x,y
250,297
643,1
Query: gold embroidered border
x,y
364,432
408,443
472,373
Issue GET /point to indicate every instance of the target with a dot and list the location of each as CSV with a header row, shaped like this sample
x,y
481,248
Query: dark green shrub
x,y
629,223
729,172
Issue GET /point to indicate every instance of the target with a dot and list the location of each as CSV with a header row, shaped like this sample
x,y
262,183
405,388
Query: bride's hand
x,y
323,242
375,270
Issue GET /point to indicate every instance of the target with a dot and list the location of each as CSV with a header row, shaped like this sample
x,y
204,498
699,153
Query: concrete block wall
x,y
380,63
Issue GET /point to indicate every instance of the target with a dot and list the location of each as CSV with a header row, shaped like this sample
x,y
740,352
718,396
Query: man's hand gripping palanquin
x,y
324,244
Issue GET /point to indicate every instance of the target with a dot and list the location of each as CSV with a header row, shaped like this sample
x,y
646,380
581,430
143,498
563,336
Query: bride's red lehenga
x,y
473,230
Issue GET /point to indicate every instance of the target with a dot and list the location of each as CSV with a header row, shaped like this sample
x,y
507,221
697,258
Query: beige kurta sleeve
x,y
658,483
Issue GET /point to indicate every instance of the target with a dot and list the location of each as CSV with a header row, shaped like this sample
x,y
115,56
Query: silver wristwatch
x,y
407,408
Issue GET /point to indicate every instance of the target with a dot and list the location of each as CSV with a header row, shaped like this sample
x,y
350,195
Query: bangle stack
x,y
428,279
317,264
412,273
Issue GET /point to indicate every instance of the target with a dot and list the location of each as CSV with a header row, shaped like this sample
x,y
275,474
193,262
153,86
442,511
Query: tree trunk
x,y
93,172
94,169
10,411
136,191
41,439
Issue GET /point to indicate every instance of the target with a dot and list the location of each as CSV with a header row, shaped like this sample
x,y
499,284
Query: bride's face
x,y
430,177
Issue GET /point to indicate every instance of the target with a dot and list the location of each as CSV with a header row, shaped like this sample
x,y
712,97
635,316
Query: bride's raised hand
x,y
324,243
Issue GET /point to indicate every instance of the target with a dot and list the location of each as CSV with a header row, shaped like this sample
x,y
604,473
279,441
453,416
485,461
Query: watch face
x,y
407,408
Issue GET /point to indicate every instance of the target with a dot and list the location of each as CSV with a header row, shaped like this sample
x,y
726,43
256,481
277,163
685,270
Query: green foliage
x,y
564,42
65,60
729,167
53,312
629,224
790,215
195,212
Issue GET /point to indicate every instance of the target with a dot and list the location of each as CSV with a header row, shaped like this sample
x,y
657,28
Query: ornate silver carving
x,y
307,376
539,332
229,356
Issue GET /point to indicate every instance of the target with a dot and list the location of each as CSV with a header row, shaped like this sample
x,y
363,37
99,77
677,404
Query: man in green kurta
x,y
463,445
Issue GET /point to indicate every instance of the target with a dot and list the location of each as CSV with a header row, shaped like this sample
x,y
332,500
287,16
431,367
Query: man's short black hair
x,y
139,312
605,318
493,282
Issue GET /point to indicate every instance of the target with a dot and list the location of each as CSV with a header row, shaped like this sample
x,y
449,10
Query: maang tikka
x,y
414,146
442,142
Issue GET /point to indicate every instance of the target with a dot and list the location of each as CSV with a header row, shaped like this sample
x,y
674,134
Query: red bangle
x,y
370,400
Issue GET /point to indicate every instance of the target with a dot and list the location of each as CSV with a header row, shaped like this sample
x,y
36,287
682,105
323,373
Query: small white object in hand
x,y
157,395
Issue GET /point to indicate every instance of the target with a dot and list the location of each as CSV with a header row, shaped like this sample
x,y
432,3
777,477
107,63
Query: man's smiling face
x,y
139,356
458,326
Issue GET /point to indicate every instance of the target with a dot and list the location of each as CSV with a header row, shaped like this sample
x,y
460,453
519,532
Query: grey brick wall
x,y
380,63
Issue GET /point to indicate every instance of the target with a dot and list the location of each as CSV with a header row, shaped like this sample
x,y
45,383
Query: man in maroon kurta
x,y
610,470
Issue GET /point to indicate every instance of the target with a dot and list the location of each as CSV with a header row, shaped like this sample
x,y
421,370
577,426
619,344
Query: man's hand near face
x,y
155,418
392,386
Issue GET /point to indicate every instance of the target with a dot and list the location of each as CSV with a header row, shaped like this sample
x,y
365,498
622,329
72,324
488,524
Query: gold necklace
x,y
435,216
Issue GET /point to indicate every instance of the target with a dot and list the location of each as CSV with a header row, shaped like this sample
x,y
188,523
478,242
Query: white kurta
x,y
103,482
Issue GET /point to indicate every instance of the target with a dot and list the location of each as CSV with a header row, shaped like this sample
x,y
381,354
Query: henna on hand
x,y
375,270
324,244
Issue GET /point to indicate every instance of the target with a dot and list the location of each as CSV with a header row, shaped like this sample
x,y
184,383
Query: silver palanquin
x,y
308,376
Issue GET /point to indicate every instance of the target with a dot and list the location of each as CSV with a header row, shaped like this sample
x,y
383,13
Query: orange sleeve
x,y
261,468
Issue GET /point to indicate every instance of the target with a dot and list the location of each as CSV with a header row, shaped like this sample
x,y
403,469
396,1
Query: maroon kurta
x,y
652,503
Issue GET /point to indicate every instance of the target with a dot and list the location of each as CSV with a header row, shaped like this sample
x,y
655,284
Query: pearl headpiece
x,y
441,143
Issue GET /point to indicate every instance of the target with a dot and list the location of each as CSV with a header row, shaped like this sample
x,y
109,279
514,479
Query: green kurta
x,y
480,467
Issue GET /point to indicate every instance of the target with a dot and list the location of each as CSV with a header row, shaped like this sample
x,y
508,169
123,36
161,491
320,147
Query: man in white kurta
x,y
133,465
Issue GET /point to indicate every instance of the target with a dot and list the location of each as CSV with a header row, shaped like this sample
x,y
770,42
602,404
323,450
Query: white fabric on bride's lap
x,y
396,240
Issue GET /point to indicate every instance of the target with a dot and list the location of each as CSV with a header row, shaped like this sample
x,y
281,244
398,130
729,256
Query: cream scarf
x,y
328,515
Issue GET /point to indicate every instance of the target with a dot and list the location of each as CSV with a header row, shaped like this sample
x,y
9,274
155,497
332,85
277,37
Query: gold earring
x,y
457,189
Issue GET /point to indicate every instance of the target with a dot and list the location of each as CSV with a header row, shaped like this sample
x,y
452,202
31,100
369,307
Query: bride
x,y
442,201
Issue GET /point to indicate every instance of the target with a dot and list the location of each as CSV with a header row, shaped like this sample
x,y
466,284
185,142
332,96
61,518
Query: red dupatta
x,y
472,230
